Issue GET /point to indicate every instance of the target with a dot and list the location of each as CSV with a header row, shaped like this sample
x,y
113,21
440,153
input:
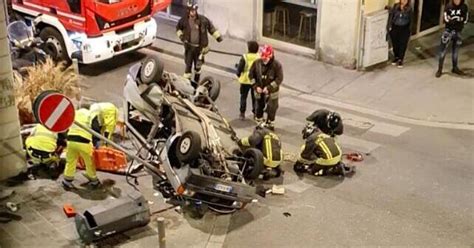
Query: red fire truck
x,y
91,30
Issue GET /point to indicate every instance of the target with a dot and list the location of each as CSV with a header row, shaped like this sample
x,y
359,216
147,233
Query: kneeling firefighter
x,y
43,147
79,143
320,155
106,114
269,143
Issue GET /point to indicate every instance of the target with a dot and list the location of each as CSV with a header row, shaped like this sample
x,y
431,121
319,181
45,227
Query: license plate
x,y
128,38
223,188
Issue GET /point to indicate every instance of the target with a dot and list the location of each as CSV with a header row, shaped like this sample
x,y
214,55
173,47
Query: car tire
x,y
54,45
254,165
188,147
151,70
213,87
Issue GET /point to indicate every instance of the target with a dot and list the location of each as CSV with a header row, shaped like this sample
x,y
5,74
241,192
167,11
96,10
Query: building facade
x,y
328,30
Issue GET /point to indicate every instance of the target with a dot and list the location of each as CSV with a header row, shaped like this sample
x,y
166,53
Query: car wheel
x,y
188,147
213,87
254,164
151,70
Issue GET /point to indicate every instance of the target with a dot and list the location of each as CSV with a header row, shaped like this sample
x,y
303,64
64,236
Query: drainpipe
x,y
12,157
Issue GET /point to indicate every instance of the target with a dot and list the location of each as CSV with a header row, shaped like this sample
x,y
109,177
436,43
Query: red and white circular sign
x,y
56,112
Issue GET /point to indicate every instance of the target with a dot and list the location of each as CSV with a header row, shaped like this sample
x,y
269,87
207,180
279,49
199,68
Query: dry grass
x,y
41,77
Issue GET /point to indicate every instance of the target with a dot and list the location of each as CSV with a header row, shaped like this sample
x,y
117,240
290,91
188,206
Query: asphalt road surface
x,y
414,187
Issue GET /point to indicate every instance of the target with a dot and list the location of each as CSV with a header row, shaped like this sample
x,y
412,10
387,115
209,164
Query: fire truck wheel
x,y
54,45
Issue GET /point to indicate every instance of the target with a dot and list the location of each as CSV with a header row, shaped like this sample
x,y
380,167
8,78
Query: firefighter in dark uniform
x,y
270,145
192,30
320,155
267,74
327,122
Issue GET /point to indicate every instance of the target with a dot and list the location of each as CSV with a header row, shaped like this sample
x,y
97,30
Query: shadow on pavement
x,y
107,189
243,217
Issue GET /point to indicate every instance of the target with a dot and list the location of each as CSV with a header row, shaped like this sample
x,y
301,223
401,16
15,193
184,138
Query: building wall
x,y
339,32
233,18
12,158
374,5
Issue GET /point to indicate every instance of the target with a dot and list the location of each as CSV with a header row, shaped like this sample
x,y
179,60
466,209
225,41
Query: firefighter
x,y
320,155
79,143
328,122
243,68
267,74
192,31
270,145
44,147
106,115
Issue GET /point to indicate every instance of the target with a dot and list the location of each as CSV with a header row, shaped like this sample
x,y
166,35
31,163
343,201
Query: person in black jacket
x,y
328,122
192,30
267,73
399,23
456,14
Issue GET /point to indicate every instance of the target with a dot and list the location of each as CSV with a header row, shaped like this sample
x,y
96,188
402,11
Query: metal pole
x,y
161,232
116,146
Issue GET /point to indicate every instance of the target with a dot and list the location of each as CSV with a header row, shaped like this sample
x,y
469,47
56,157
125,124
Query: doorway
x,y
428,16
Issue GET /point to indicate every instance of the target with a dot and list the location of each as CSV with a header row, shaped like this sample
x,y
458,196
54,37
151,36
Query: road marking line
x,y
345,141
53,118
349,119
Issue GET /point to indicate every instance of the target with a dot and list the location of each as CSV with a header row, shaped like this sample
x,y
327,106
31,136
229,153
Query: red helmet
x,y
266,52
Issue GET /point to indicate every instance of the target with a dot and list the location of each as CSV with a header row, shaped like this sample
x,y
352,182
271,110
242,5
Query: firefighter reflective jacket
x,y
269,75
267,142
245,64
321,149
106,114
78,134
42,139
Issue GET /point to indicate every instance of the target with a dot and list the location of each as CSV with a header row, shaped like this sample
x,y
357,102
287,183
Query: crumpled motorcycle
x,y
26,50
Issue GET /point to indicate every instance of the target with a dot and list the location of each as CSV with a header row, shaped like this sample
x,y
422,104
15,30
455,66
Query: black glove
x,y
219,39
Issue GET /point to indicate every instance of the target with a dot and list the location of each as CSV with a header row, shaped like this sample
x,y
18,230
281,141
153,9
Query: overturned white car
x,y
179,129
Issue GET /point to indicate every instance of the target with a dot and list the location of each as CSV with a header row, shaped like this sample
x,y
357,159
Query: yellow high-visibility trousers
x,y
74,151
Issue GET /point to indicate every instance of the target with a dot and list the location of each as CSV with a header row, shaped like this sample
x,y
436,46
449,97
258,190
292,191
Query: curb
x,y
333,103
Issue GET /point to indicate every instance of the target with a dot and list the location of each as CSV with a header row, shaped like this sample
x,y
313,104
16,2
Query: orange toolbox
x,y
108,159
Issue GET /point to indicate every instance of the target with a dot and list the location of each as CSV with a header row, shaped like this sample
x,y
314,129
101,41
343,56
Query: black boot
x,y
457,71
439,73
299,167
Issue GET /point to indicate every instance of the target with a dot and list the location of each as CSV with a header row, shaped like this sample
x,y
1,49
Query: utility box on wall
x,y
374,42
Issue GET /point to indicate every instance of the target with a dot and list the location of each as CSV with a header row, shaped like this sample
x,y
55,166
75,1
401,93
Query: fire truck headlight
x,y
77,43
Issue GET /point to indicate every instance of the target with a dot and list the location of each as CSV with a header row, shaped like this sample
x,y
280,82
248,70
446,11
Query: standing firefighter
x,y
192,31
79,145
320,154
43,147
270,145
105,114
267,73
243,69
456,14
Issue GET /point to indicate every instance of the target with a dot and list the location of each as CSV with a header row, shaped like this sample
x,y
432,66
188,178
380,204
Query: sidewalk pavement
x,y
410,93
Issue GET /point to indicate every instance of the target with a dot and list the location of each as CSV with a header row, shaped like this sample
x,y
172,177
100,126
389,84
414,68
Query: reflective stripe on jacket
x,y
321,149
272,152
249,60
84,117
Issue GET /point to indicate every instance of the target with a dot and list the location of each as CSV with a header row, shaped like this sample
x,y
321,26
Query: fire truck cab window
x,y
75,6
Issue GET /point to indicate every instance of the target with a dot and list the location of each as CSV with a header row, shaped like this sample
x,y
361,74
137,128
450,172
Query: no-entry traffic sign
x,y
54,111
